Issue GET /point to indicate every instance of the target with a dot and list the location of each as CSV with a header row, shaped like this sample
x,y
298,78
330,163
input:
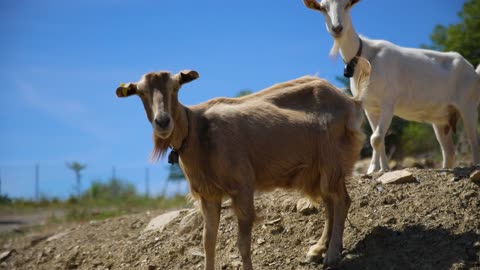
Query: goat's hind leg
x,y
470,117
211,216
444,138
341,204
245,212
316,251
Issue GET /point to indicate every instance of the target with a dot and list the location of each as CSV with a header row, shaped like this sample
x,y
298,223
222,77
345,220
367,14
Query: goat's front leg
x,y
245,212
444,138
375,162
211,219
378,137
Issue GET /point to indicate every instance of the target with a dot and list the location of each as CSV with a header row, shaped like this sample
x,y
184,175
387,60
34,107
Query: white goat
x,y
415,84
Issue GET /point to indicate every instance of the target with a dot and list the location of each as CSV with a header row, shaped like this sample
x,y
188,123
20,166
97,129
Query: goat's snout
x,y
162,120
337,29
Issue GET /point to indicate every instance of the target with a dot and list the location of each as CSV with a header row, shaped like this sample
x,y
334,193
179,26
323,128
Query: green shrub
x,y
418,138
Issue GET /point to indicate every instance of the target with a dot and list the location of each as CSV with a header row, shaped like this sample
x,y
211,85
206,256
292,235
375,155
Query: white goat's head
x,y
159,94
336,13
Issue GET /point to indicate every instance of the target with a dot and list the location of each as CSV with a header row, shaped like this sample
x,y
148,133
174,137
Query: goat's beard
x,y
335,49
160,147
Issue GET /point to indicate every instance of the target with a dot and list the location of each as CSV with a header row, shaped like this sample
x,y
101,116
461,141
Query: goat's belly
x,y
437,114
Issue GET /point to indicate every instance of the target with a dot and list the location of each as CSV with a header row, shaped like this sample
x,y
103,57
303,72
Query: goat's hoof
x,y
331,261
314,258
314,254
371,170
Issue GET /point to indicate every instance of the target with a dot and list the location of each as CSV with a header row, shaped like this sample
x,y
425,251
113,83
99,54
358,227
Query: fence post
x,y
147,182
37,176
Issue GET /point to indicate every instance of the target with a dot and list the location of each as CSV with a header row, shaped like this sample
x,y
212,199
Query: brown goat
x,y
302,134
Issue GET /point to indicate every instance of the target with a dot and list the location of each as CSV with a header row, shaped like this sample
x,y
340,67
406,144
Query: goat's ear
x,y
313,4
126,90
186,76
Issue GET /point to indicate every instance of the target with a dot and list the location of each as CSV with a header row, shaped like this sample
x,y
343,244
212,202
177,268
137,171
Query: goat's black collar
x,y
349,69
173,156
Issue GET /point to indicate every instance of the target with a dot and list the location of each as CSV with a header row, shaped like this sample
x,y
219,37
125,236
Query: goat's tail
x,y
478,70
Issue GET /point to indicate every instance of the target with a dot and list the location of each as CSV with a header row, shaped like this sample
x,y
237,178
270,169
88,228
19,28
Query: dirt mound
x,y
432,223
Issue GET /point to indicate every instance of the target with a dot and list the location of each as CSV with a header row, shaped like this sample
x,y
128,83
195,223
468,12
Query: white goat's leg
x,y
211,219
245,212
378,137
470,118
375,161
446,144
341,203
315,252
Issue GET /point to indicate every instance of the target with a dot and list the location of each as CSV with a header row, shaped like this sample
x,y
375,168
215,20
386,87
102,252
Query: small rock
x,y
305,207
57,236
455,179
197,253
260,241
93,222
163,220
190,222
475,176
6,254
271,222
396,177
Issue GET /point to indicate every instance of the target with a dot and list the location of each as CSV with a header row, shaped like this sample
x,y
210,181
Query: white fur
x,y
415,84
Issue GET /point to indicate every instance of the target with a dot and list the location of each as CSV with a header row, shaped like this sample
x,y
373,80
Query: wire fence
x,y
36,181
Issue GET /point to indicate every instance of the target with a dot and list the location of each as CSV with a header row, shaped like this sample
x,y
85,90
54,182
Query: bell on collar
x,y
348,70
173,157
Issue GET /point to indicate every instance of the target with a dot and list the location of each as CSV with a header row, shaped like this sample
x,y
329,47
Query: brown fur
x,y
294,135
453,116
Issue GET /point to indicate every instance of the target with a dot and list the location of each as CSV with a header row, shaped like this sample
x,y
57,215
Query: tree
x,y
244,92
114,189
463,37
76,167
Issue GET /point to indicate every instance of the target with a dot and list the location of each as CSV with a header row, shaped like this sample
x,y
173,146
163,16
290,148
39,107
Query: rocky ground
x,y
430,222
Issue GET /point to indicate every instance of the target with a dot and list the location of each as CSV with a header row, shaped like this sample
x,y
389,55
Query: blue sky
x,y
61,62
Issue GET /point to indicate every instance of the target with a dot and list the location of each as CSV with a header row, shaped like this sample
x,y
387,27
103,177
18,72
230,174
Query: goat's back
x,y
288,133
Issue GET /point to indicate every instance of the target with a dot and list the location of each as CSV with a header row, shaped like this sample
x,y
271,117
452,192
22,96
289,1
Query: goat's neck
x,y
349,44
180,133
